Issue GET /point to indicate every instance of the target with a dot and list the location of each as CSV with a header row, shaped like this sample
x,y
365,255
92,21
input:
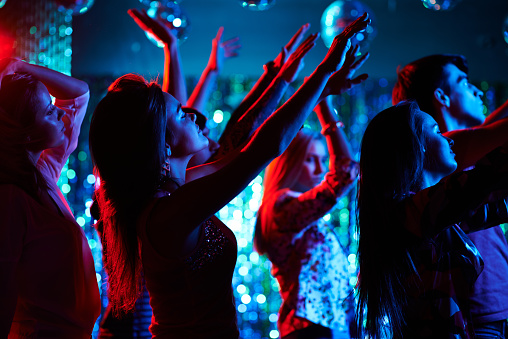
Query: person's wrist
x,y
331,127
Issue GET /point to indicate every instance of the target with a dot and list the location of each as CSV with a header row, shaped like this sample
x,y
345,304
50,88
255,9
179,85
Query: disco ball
x,y
257,5
74,7
174,17
440,5
340,14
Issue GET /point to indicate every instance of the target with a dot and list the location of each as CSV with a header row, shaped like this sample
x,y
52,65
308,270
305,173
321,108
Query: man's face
x,y
465,99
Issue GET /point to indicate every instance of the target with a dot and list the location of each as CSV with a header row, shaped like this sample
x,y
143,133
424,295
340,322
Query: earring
x,y
166,170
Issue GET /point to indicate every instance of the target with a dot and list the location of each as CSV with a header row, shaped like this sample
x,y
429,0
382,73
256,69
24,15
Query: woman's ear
x,y
441,97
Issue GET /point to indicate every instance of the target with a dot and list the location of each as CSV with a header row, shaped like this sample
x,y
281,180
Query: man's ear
x,y
441,97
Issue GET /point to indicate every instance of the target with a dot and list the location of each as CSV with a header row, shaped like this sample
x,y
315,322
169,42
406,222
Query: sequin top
x,y
192,297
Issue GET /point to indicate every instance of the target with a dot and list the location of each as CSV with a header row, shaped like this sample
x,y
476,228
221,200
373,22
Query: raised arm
x,y
212,192
239,132
472,144
271,69
500,113
221,51
59,85
173,80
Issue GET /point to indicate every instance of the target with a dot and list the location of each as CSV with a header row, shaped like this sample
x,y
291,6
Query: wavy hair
x,y
17,116
391,167
127,144
282,172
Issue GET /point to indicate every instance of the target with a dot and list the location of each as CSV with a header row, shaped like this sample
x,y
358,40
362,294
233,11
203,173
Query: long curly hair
x,y
391,167
127,144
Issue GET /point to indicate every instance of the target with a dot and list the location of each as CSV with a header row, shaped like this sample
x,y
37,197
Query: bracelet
x,y
332,127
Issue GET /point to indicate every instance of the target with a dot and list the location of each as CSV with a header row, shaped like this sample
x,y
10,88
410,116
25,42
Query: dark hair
x,y
127,144
391,166
282,172
17,116
419,79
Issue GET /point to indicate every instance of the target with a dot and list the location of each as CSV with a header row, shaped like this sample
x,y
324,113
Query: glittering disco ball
x,y
257,5
174,17
340,14
74,7
440,5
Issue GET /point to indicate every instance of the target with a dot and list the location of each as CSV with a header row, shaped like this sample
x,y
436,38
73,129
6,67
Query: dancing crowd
x,y
432,180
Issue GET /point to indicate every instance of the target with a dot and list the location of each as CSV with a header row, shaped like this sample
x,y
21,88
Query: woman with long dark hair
x,y
417,265
48,286
158,217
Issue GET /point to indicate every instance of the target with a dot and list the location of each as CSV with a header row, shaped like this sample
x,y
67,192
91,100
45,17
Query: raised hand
x,y
290,47
341,81
222,50
292,67
160,30
336,55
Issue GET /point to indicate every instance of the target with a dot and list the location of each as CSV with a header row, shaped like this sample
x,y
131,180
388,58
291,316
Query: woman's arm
x,y
59,85
238,133
271,69
265,106
221,51
212,192
173,81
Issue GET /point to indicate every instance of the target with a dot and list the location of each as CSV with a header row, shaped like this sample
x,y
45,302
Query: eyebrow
x,y
459,79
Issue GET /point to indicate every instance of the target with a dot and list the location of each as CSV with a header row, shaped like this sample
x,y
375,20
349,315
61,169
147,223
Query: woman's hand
x,y
294,64
159,29
336,55
290,47
9,66
341,81
222,50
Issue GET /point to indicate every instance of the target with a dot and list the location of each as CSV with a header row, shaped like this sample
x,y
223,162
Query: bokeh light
x,y
75,7
505,29
341,13
257,5
440,5
173,17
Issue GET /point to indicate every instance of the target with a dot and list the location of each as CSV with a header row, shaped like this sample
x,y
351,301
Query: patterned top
x,y
447,262
308,260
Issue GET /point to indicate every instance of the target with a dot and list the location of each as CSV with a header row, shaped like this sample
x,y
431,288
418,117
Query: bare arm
x,y
59,85
173,80
472,144
221,51
212,192
238,133
271,69
500,113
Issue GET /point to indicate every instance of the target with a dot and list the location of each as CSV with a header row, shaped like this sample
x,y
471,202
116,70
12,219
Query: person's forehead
x,y
452,72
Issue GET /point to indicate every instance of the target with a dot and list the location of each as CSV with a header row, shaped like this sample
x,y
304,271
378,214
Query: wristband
x,y
332,127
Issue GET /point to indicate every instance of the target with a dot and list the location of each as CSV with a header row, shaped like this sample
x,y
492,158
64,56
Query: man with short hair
x,y
439,84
